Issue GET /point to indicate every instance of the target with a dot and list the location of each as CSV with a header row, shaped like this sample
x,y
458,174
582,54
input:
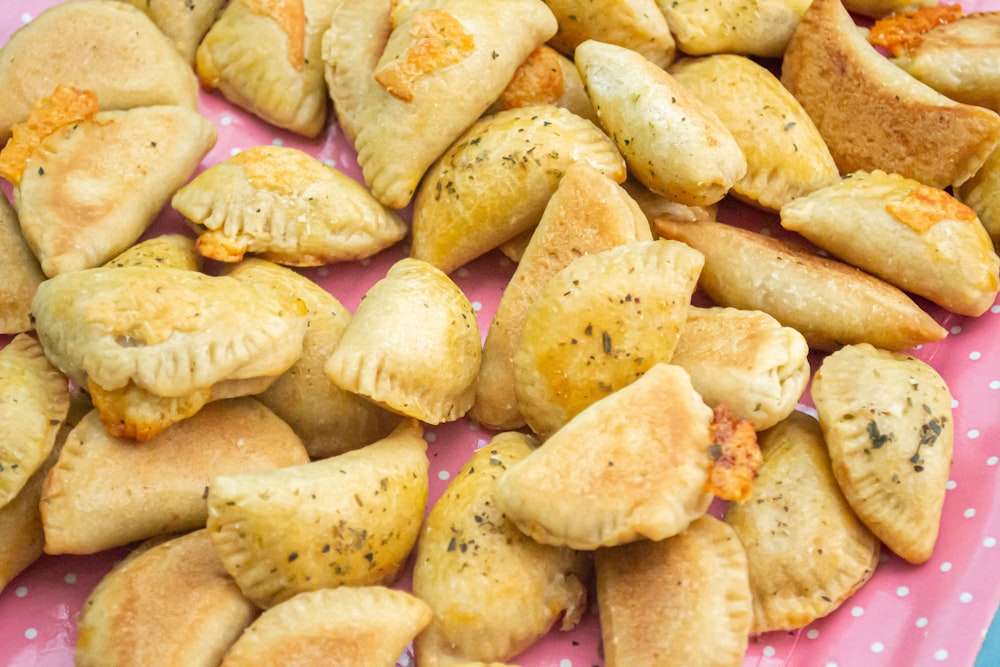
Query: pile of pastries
x,y
197,396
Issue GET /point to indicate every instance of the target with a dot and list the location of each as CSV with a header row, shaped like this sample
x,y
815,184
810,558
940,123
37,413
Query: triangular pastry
x,y
638,25
167,251
22,274
184,22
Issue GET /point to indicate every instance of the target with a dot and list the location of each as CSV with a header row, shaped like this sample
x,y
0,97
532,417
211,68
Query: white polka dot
x,y
830,664
972,434
26,18
902,591
768,651
430,436
965,598
235,151
951,484
995,384
969,513
226,120
940,655
975,356
946,566
954,402
956,330
992,461
812,634
277,141
30,633
995,309
323,271
444,475
989,542
921,622
366,261
462,272
857,612
878,647
765,231
565,663
70,578
330,162
21,591
477,306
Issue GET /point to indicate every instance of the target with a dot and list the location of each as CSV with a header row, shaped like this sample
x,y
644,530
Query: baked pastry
x,y
656,205
546,77
162,592
879,8
361,626
598,324
806,550
786,156
91,187
494,182
684,600
643,473
638,25
672,142
350,519
493,590
104,46
328,419
982,194
106,492
167,251
184,22
888,425
286,206
463,51
746,360
22,274
587,213
759,28
872,114
830,303
413,345
265,57
918,238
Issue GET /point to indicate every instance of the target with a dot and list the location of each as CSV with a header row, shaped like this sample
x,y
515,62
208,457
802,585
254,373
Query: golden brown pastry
x,y
413,345
22,274
599,324
105,46
918,238
638,25
982,194
184,22
872,114
655,205
167,251
494,591
807,551
463,51
106,492
546,77
830,303
347,520
786,156
643,473
755,28
672,142
286,206
364,626
494,182
887,422
265,57
878,8
587,213
684,600
163,593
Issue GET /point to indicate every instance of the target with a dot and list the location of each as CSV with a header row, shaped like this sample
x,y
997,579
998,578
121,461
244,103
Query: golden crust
x,y
22,276
982,194
165,251
184,22
755,28
638,25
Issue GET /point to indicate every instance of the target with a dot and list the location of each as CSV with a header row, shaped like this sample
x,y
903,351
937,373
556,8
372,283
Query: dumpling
x,y
22,274
638,25
918,238
888,424
755,28
878,8
672,142
184,22
265,57
286,206
167,251
982,194
546,77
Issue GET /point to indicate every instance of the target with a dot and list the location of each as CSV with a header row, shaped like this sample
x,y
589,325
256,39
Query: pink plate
x,y
936,613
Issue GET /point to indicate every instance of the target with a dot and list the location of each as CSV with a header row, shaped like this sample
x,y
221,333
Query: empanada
x,y
413,345
587,213
105,46
493,590
494,182
872,114
830,303
877,8
786,156
598,324
638,25
463,51
167,251
982,194
286,206
184,22
360,626
106,491
265,57
672,142
684,600
347,520
806,550
22,274
643,472
887,422
546,77
746,360
163,593
918,238
754,28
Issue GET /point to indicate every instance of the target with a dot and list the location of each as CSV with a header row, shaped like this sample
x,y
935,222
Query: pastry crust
x,y
638,25
755,28
184,22
22,273
982,194
167,251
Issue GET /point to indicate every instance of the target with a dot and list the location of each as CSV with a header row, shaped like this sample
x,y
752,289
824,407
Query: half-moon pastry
x,y
918,238
546,77
106,491
360,626
171,590
286,206
684,600
888,425
413,345
167,251
22,274
598,324
643,472
494,182
638,25
105,46
493,590
982,194
830,303
587,213
757,28
786,156
350,519
672,142
872,114
184,22
265,57
878,8
807,551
